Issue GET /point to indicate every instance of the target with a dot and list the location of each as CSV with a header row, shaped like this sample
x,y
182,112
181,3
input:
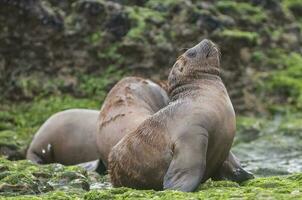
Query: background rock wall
x,y
49,47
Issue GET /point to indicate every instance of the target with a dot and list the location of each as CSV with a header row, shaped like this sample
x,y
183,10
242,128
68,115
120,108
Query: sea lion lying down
x,y
67,137
188,141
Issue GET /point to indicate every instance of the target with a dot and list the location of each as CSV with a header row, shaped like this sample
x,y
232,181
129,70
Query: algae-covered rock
x,y
59,42
237,37
283,82
57,55
23,177
295,6
286,187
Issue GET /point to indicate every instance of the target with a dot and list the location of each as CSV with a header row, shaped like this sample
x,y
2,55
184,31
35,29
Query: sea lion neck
x,y
186,85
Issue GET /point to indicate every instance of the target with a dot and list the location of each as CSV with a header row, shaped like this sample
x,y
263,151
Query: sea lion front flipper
x,y
95,165
232,170
188,164
34,157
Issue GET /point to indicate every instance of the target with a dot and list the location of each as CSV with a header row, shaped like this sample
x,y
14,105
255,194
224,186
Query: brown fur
x,y
199,119
127,105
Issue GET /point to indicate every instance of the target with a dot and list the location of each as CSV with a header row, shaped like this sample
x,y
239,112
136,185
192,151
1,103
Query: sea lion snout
x,y
202,59
202,49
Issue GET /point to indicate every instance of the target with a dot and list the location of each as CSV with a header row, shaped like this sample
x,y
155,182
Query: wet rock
x,y
272,152
118,25
295,7
39,10
208,22
91,7
131,2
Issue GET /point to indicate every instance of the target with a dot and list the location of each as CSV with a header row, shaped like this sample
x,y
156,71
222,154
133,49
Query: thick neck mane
x,y
184,85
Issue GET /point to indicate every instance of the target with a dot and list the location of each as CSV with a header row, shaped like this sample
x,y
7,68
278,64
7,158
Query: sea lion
x,y
67,137
186,142
127,105
232,170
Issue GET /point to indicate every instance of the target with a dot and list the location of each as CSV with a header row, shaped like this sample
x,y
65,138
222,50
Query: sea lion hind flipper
x,y
232,170
95,165
188,164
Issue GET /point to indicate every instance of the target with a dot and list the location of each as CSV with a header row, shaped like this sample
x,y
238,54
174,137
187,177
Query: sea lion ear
x,y
191,53
185,173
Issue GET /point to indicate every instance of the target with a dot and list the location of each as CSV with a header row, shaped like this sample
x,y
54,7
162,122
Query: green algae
x,y
141,18
286,81
163,5
262,144
245,37
24,177
280,187
295,6
259,188
95,87
247,12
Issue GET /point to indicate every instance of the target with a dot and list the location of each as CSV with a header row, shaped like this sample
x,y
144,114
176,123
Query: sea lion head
x,y
203,58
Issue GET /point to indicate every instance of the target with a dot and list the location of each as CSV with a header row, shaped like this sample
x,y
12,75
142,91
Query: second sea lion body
x,y
126,106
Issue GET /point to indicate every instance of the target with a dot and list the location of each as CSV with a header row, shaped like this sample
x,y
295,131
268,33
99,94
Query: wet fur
x,y
197,97
127,105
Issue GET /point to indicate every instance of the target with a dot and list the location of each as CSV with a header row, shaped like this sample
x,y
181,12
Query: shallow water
x,y
272,151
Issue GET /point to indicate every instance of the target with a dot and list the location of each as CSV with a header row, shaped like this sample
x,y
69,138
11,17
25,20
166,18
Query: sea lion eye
x,y
191,53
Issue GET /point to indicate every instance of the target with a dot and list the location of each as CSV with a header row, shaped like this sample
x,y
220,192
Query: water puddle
x,y
272,152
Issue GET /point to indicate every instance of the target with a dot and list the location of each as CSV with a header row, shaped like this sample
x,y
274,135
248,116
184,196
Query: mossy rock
x,y
238,37
260,188
142,18
249,13
24,177
295,6
285,83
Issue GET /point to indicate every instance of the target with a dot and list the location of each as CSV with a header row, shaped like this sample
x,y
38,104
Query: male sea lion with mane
x,y
186,142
